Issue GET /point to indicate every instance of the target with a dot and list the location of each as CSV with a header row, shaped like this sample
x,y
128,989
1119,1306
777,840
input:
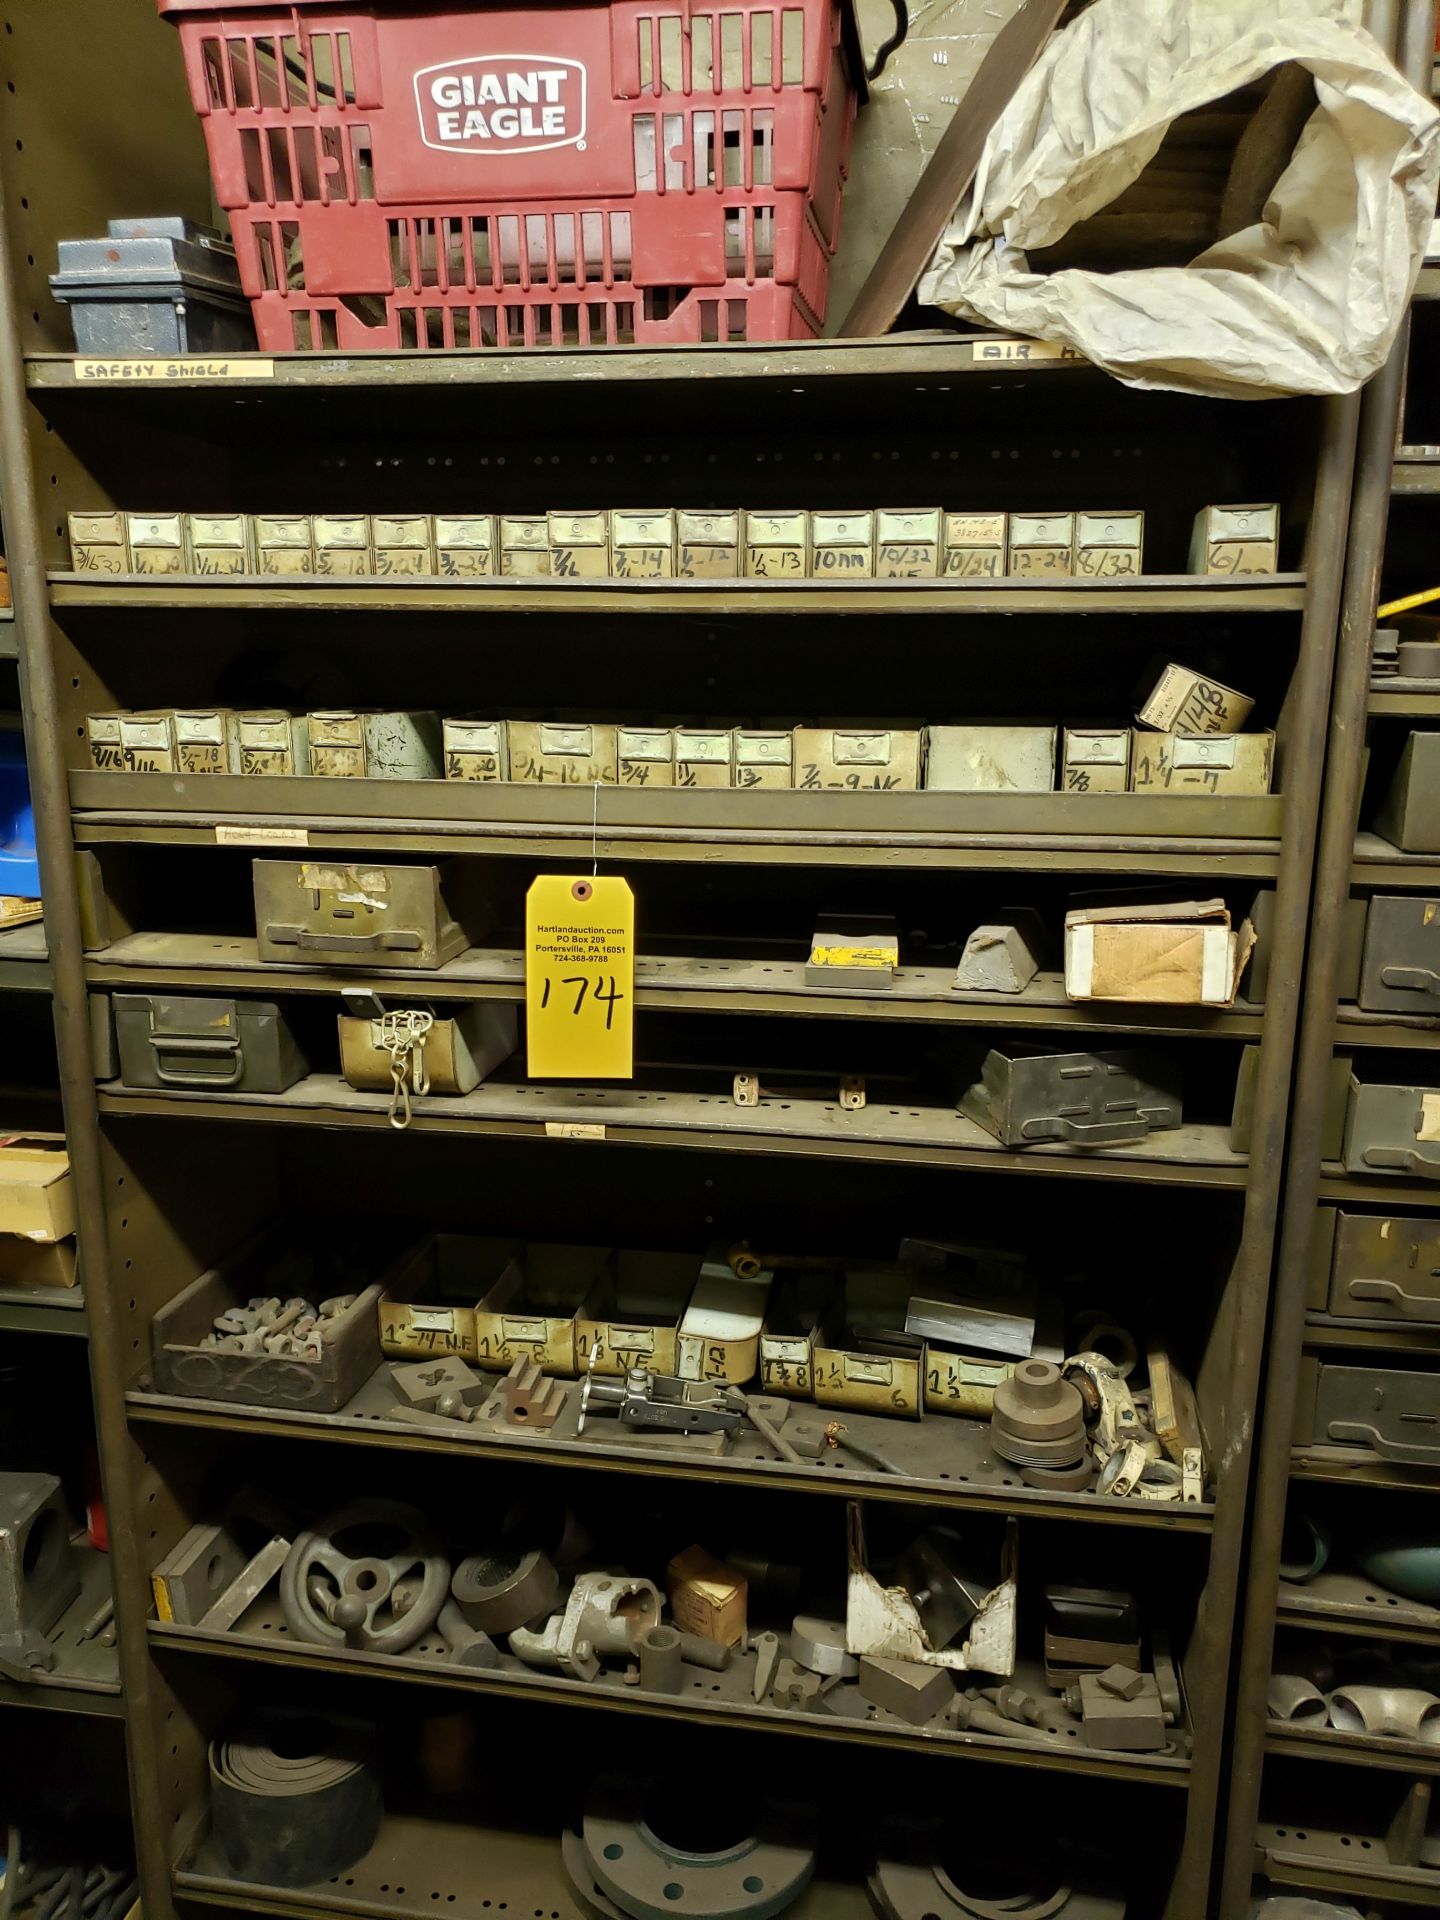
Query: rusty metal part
x,y
603,1617
369,1575
660,1660
837,1434
505,1588
1292,1697
193,1575
590,1896
467,1646
767,1658
917,1888
912,1692
748,1091
659,1400
531,1398
424,1382
946,1596
39,1576
656,1853
698,1651
769,1431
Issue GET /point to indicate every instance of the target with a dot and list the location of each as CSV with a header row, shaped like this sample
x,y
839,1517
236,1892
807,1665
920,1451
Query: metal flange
x,y
637,1848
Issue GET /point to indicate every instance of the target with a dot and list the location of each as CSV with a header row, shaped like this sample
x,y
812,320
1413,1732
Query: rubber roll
x,y
294,1798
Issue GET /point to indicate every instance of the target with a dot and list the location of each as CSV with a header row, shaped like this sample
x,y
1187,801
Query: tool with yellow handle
x,y
1408,604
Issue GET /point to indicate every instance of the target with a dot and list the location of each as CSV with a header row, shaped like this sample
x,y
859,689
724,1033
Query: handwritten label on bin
x,y
152,371
262,836
580,978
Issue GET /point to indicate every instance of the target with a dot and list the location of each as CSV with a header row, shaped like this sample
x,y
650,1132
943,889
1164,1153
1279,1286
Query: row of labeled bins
x,y
631,543
946,759
581,173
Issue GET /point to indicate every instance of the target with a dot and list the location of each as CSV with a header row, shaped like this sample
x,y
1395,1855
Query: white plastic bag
x,y
1308,300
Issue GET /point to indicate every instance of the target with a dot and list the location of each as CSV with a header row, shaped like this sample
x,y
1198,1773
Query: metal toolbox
x,y
1235,540
1202,763
531,1307
357,916
704,757
429,1308
975,546
863,1357
147,742
354,744
205,1043
1383,1267
1027,1097
1109,545
907,544
270,743
799,1304
642,543
98,543
342,544
476,750
707,546
464,545
153,286
1409,817
102,734
284,543
1392,1129
842,545
1042,545
860,759
579,545
157,542
776,546
219,543
990,760
1095,760
764,757
1400,967
204,741
461,1049
288,1259
631,1317
567,753
646,756
400,543
1392,1411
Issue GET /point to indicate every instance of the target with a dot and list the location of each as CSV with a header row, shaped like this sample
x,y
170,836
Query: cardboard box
x,y
400,543
464,545
975,545
642,543
565,753
157,542
1109,545
580,545
1179,953
907,544
990,760
37,1263
476,750
776,546
1202,763
764,757
36,1198
1184,701
98,543
147,743
704,757
707,1597
284,543
342,544
1042,545
1095,760
1236,540
219,543
646,756
707,546
842,546
858,759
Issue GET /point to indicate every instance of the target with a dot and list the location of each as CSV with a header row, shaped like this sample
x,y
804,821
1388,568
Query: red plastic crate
x,y
405,175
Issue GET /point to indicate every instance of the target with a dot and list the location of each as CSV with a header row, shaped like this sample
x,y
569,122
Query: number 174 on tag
x,y
580,978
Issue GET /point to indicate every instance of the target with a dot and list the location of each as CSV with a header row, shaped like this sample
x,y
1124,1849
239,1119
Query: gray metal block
x,y
157,286
1003,956
1385,1268
1081,1099
912,1692
205,1042
1392,1129
39,1577
1393,1412
1400,966
1409,816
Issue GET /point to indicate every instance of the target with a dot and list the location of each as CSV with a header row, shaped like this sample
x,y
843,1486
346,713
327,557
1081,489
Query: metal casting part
x,y
1292,1697
660,1660
820,1645
1398,1713
604,1616
505,1588
382,1601
749,1877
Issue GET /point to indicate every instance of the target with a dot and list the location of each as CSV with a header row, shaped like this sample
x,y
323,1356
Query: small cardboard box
x,y
464,545
219,543
267,743
1184,701
1042,545
975,545
842,546
1178,953
203,740
580,545
646,756
36,1198
476,750
642,543
764,757
854,951
284,543
858,759
990,760
37,1263
707,1597
1229,763
157,542
342,544
1095,760
1109,545
400,543
98,543
776,546
707,546
1236,540
704,757
907,544
574,754
102,732
147,742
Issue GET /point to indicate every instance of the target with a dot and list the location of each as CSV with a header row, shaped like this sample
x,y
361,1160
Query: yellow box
x,y
1042,546
907,543
776,546
102,732
476,750
842,546
524,545
707,546
1236,540
632,1316
464,545
860,759
975,546
157,542
337,744
707,1597
203,740
646,756
531,1311
579,545
270,743
642,543
1184,701
571,754
704,757
956,1383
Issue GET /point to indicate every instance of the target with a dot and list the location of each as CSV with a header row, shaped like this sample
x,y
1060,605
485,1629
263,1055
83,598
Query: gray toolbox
x,y
1409,816
1377,1266
1400,966
1392,1411
1392,1128
205,1043
330,913
1025,1096
154,286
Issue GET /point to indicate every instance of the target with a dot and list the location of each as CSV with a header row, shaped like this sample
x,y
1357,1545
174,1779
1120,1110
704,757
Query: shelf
x,y
1191,1156
1343,1863
1348,1603
666,984
716,1699
1330,1330
24,961
458,1867
85,1677
1211,837
1412,476
44,1310
945,1461
1417,700
1158,593
1356,1028
1352,1749
1386,1191
1378,864
1324,1469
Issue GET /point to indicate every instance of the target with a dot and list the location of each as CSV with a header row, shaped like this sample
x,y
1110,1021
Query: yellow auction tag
x,y
580,978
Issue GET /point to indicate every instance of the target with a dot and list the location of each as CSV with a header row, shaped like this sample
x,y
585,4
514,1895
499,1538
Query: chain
x,y
402,1034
